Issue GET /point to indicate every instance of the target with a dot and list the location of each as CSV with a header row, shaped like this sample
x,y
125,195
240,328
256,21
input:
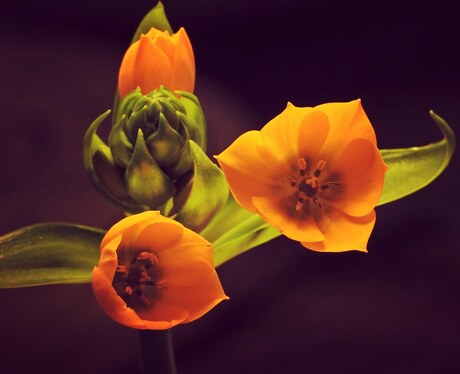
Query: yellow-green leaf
x,y
48,253
410,169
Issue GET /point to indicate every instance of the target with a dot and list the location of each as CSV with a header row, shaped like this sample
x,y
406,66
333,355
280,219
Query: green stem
x,y
157,352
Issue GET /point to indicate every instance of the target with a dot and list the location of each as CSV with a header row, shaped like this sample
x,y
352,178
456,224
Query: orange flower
x,y
314,173
154,273
157,59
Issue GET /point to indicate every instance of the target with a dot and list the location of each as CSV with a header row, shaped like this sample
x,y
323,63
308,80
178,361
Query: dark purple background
x,y
394,310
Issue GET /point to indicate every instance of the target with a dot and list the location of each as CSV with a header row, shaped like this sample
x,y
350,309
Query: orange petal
x,y
152,66
126,74
165,43
199,299
282,214
159,236
347,121
343,232
362,170
129,224
186,251
312,134
108,261
183,64
284,129
164,314
183,273
247,173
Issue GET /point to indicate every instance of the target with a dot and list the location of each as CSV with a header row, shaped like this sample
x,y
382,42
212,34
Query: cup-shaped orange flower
x,y
154,273
313,173
158,59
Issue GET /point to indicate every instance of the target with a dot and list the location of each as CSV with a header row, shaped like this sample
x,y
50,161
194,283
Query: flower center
x,y
136,283
310,186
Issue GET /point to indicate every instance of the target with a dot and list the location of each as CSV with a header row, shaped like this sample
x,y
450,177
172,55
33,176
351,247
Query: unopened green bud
x,y
155,157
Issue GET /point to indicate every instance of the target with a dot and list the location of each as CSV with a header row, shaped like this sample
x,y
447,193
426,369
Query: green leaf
x,y
410,169
235,230
155,18
48,253
205,194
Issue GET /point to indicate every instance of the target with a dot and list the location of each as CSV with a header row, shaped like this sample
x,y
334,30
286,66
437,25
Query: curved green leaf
x,y
48,253
410,169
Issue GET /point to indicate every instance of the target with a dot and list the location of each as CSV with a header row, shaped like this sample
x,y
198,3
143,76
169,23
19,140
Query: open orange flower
x,y
154,273
158,59
314,173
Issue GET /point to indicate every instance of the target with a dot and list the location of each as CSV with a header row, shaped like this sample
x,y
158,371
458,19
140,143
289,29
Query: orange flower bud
x,y
158,59
154,273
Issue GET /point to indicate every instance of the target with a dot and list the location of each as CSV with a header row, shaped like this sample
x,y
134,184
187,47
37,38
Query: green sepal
x,y
120,146
97,160
410,169
204,195
110,175
184,163
193,131
165,143
194,113
155,18
144,179
49,253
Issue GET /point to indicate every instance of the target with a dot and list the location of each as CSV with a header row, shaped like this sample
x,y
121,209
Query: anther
x,y
292,182
122,269
128,290
321,165
302,164
149,256
298,206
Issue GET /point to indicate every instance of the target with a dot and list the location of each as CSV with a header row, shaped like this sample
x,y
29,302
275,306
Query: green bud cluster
x,y
148,162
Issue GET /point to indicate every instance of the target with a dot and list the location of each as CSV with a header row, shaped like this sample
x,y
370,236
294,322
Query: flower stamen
x,y
132,282
308,186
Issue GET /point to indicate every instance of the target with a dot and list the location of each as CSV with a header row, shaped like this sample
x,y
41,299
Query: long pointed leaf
x,y
410,169
48,253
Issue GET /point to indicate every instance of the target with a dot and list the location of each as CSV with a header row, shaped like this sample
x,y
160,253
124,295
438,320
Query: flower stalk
x,y
156,352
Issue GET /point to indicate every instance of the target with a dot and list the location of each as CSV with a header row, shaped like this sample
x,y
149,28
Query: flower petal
x,y
362,171
247,173
183,65
199,299
152,66
158,236
126,225
312,134
347,121
162,314
343,232
282,214
126,73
